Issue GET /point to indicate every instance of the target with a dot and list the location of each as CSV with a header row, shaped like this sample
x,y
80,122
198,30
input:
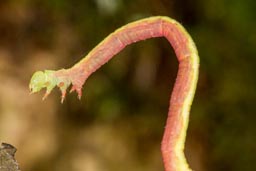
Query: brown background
x,y
118,124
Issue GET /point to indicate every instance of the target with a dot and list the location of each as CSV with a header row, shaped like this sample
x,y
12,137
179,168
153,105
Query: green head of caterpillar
x,y
48,79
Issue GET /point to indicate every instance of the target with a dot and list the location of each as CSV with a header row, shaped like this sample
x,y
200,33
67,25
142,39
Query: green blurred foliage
x,y
126,101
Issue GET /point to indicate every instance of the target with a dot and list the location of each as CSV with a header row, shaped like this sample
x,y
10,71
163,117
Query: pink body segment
x,y
184,87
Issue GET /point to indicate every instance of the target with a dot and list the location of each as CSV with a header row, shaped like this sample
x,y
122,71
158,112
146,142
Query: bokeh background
x,y
119,122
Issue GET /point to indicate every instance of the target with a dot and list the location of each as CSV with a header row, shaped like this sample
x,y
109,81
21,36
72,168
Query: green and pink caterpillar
x,y
172,147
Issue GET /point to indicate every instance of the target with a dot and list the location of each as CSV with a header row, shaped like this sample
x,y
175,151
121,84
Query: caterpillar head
x,y
48,79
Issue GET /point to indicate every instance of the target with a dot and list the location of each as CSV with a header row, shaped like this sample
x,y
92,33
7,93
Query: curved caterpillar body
x,y
182,94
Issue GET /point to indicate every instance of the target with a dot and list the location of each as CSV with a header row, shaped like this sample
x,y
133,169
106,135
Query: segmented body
x,y
184,88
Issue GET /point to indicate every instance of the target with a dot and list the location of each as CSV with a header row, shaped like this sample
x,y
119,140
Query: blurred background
x,y
119,122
